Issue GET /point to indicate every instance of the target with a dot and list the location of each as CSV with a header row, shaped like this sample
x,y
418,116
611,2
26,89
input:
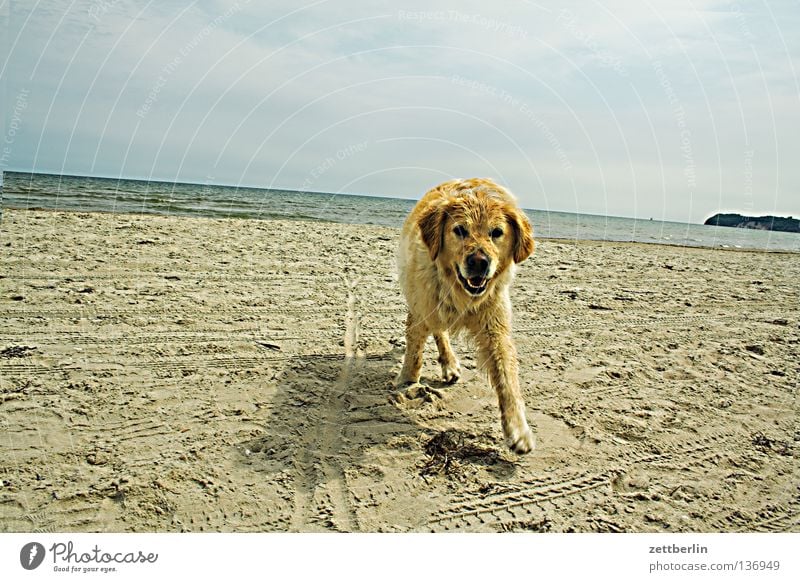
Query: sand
x,y
185,374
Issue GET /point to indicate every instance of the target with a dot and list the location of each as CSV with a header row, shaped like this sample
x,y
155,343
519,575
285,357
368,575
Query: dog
x,y
459,248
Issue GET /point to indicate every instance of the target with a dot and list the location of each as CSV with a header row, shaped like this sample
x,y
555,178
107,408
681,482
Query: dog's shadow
x,y
329,416
322,398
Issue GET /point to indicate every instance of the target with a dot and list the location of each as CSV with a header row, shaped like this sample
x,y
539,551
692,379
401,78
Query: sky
x,y
667,110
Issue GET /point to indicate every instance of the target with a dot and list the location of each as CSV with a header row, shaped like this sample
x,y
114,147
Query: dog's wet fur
x,y
458,250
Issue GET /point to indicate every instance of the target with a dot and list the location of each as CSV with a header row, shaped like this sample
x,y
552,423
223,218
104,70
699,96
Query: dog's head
x,y
475,236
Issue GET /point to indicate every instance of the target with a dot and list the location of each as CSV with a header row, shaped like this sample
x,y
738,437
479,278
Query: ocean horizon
x,y
27,190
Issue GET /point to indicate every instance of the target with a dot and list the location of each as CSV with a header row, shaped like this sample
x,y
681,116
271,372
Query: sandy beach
x,y
186,374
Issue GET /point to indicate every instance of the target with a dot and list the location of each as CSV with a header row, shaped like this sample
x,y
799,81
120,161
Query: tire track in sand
x,y
501,507
322,497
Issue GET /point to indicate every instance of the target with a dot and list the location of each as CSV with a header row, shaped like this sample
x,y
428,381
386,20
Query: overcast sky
x,y
670,110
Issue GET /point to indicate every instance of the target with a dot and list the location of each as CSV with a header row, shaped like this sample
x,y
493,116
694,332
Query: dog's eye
x,y
460,231
496,233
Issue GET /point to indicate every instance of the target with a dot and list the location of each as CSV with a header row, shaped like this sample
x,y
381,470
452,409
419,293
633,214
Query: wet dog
x,y
458,251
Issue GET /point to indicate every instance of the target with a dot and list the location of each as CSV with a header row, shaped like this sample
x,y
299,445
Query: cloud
x,y
668,110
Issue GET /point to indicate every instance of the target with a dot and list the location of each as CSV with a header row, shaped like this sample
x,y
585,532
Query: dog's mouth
x,y
473,285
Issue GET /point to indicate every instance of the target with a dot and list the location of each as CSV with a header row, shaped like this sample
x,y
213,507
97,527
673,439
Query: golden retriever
x,y
458,251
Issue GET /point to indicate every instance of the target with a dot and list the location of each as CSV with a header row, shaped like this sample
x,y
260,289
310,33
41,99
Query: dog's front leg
x,y
416,334
451,370
498,356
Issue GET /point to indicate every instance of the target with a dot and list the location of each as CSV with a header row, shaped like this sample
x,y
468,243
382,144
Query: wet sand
x,y
186,374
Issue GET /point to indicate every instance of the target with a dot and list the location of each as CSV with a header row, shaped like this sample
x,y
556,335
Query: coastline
x,y
85,193
556,239
165,373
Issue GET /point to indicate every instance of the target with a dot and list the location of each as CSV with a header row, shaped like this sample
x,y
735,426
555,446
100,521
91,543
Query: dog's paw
x,y
521,441
401,381
416,394
451,373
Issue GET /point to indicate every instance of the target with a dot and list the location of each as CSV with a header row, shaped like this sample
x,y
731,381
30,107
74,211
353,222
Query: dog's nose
x,y
477,264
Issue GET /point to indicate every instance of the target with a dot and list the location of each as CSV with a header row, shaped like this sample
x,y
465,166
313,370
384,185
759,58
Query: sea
x,y
93,194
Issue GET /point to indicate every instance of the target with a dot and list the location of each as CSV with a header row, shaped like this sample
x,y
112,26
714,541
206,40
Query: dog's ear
x,y
431,226
523,235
